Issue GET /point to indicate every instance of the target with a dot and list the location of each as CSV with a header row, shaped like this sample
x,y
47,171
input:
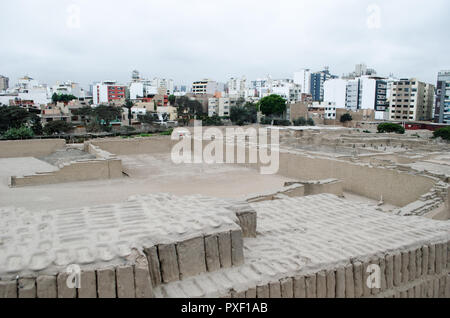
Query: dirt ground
x,y
147,174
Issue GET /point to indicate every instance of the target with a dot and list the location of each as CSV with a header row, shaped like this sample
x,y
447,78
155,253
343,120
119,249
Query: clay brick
x,y
321,284
299,287
27,288
251,293
191,257
349,282
389,271
224,240
383,274
88,285
106,283
412,265
397,269
439,258
447,286
340,283
432,260
212,253
247,221
405,267
237,248
442,287
418,291
125,282
46,287
63,290
142,279
262,291
239,295
287,288
425,260
358,279
8,289
275,290
153,264
311,286
418,263
169,263
366,290
331,284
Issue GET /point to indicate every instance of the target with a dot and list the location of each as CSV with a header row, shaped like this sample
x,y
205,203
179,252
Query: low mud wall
x,y
30,148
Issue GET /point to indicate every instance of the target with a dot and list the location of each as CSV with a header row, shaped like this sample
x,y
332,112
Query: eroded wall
x,y
30,148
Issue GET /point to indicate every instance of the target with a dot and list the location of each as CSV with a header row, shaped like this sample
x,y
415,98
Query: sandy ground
x,y
147,175
20,167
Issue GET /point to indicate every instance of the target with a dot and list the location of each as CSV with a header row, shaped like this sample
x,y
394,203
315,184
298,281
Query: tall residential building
x,y
411,100
108,92
303,78
335,90
442,108
236,87
360,93
4,83
204,87
317,81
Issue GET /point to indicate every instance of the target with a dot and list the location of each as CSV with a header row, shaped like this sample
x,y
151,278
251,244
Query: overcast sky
x,y
186,40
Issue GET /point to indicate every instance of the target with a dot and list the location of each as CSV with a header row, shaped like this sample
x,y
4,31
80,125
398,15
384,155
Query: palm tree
x,y
129,105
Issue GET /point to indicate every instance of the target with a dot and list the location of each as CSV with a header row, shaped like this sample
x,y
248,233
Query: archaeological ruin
x,y
349,214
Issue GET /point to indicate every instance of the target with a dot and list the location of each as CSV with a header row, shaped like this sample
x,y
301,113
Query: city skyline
x,y
68,40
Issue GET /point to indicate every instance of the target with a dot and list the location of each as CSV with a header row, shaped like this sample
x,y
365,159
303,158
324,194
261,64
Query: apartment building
x,y
204,87
236,87
108,92
221,106
366,92
442,107
4,83
317,81
303,78
411,100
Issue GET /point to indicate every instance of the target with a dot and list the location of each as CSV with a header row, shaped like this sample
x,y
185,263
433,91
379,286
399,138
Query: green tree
x,y
242,115
272,105
301,121
129,105
444,133
57,127
65,98
85,112
13,117
22,132
188,108
310,122
36,124
148,118
346,118
390,128
172,99
106,114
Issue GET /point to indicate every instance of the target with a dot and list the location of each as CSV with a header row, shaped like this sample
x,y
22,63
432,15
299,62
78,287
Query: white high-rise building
x,y
335,90
236,87
303,78
204,87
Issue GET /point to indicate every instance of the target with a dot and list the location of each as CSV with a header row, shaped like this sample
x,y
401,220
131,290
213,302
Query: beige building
x,y
221,106
4,83
411,100
204,87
